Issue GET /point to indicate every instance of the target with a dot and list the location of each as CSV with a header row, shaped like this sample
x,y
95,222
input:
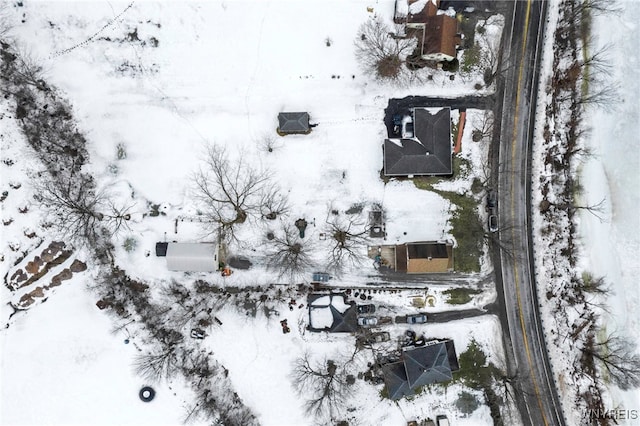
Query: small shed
x,y
291,123
193,257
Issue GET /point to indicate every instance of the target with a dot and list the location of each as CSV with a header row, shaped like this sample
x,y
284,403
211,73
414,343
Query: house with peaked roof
x,y
291,123
427,152
437,33
419,366
331,312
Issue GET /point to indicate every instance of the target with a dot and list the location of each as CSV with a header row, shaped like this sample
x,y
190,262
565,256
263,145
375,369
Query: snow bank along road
x,y
537,397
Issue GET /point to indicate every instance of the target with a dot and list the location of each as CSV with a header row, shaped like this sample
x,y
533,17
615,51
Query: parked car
x,y
407,127
196,333
371,338
321,277
366,309
442,420
493,223
367,321
416,319
492,199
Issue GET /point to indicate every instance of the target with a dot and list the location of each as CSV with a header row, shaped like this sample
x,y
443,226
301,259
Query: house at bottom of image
x,y
419,366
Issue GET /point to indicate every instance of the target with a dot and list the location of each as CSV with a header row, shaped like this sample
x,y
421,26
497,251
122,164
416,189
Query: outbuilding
x,y
193,257
291,123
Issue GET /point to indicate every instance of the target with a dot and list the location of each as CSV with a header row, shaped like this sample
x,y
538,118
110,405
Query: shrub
x,y
130,244
460,295
121,151
467,403
450,66
389,66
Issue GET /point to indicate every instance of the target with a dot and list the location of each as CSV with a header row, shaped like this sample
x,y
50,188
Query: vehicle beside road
x,y
492,223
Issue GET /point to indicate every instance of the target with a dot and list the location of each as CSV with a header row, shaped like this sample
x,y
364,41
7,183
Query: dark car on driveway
x,y
366,309
416,319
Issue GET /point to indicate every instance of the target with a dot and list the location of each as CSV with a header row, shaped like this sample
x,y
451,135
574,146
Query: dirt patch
x,y
66,274
78,266
34,266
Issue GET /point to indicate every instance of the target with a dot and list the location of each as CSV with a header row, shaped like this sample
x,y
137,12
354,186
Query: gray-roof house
x,y
428,152
293,123
432,363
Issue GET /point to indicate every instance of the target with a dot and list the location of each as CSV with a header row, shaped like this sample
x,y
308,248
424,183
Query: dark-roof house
x,y
428,152
330,312
293,123
432,363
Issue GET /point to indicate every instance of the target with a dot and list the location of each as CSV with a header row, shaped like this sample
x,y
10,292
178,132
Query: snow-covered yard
x,y
152,85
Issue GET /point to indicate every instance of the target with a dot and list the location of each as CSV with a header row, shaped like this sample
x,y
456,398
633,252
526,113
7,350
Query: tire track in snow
x,y
255,72
148,77
90,39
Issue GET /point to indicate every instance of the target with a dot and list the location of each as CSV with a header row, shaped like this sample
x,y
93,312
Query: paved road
x,y
538,402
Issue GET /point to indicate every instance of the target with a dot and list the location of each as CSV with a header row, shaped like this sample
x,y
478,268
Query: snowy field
x,y
159,81
612,246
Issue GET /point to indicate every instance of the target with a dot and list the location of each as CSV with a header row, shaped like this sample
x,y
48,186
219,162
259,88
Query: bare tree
x,y
158,365
79,210
594,285
75,207
483,128
324,382
598,60
583,9
604,96
618,357
289,254
29,71
597,209
349,238
232,191
5,25
381,52
274,203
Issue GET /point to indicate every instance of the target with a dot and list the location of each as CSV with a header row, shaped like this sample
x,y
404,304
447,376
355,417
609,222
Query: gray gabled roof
x,y
428,152
420,366
344,322
293,122
427,364
395,379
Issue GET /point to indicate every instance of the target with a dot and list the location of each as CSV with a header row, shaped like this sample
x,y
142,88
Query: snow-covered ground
x,y
62,364
151,84
612,246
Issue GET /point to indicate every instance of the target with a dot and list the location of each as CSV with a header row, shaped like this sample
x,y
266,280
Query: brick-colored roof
x,y
440,35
